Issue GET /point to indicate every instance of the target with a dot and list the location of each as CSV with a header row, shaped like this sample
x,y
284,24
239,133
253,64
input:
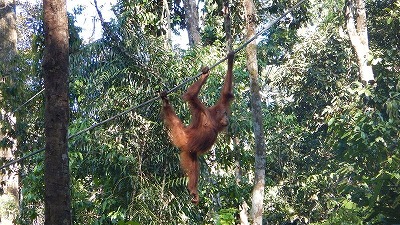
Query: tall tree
x,y
8,36
55,69
356,21
192,21
251,53
8,43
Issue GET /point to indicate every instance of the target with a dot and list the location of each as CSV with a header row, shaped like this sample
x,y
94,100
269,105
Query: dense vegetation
x,y
333,149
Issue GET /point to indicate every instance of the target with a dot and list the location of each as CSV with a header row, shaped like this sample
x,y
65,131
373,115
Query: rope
x,y
22,158
8,116
26,102
83,131
22,105
169,91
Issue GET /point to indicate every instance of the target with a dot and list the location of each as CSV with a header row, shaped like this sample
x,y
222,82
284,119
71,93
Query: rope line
x,y
27,101
8,116
82,131
23,104
157,97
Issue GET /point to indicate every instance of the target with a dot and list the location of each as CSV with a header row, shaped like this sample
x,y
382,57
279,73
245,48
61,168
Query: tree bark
x,y
55,68
192,22
8,35
356,22
259,179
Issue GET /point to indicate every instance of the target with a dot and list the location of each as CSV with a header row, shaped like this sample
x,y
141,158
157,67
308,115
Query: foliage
x,y
367,152
214,26
364,134
8,208
149,16
320,92
332,144
140,179
227,216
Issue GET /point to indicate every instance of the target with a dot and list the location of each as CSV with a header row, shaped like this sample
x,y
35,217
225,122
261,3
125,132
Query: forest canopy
x,y
326,79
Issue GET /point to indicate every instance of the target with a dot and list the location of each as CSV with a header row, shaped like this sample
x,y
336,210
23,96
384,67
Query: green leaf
x,y
331,120
376,192
347,204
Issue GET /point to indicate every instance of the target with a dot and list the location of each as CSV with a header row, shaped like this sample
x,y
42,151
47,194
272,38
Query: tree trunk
x,y
8,50
166,23
259,179
356,21
55,68
192,21
227,26
8,35
243,215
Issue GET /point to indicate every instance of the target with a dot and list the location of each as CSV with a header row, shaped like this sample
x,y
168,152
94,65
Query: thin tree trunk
x,y
166,23
228,26
243,215
55,68
8,50
356,22
192,21
257,207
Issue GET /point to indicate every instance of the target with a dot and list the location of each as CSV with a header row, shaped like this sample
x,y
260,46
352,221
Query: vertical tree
x,y
251,52
356,21
55,69
192,21
166,23
8,35
8,43
227,26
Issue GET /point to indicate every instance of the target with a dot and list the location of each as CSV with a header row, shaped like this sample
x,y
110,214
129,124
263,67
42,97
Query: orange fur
x,y
206,122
